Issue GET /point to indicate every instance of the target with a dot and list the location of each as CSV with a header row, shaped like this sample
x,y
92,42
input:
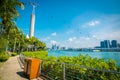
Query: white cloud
x,y
46,39
88,42
110,35
54,34
91,23
80,42
53,42
72,39
108,27
70,32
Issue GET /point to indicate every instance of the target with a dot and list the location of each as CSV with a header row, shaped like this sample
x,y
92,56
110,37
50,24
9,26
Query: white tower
x,y
32,23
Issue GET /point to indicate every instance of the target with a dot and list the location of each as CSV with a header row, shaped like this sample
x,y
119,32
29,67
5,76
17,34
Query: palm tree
x,y
17,38
8,13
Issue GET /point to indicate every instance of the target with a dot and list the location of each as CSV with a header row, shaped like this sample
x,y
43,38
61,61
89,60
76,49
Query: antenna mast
x,y
32,23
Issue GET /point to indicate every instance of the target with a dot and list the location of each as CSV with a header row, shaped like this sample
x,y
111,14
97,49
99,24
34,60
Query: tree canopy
x,y
10,35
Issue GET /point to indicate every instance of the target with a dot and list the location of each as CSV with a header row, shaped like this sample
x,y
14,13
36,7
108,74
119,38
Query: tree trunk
x,y
7,43
19,47
14,45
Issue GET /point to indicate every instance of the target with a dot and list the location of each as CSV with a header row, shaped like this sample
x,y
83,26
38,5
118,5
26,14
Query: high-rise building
x,y
102,45
54,47
118,45
105,44
114,43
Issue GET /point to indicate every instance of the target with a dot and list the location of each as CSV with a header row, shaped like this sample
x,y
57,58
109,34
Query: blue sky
x,y
73,23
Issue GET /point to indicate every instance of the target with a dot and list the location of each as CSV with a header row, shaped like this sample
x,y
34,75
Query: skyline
x,y
102,44
73,23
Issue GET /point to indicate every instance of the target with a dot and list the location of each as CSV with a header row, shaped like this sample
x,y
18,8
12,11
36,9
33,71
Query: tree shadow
x,y
22,74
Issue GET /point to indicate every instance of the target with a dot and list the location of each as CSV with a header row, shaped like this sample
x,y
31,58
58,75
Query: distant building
x,y
63,48
114,43
97,47
102,44
54,47
105,44
118,45
57,47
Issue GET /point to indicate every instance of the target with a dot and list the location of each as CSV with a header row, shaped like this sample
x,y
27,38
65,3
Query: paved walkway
x,y
11,70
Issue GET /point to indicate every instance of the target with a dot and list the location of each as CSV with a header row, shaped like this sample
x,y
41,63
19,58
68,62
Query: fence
x,y
22,58
53,70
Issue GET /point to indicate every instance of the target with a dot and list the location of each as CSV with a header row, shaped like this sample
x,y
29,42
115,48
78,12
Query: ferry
x,y
96,50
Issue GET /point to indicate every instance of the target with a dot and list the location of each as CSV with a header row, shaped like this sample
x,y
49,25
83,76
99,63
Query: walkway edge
x,y
21,64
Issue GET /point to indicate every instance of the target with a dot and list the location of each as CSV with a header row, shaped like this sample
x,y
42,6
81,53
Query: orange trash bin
x,y
32,67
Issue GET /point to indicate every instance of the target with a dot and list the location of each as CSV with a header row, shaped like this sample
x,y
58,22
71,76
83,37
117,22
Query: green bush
x,y
3,44
3,57
14,54
37,54
76,67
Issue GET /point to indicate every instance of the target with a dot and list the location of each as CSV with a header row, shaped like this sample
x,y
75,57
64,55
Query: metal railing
x,y
22,58
64,71
54,70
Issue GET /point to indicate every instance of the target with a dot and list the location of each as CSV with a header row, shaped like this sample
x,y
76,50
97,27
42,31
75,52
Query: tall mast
x,y
32,22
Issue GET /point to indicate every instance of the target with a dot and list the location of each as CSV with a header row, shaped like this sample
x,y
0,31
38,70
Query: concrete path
x,y
11,70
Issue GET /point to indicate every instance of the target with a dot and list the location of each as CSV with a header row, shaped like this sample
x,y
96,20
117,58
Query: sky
x,y
73,23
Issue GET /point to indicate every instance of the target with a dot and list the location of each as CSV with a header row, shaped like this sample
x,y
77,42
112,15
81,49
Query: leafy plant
x,y
3,57
37,54
14,54
77,67
3,44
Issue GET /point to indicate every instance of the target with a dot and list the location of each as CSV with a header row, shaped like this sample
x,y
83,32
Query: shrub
x,y
3,57
76,67
37,54
3,44
13,54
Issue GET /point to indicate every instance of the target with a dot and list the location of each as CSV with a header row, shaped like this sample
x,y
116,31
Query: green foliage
x,y
77,67
3,44
8,14
14,54
37,54
3,57
38,45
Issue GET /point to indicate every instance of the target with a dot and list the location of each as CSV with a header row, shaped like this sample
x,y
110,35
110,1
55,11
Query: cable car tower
x,y
32,22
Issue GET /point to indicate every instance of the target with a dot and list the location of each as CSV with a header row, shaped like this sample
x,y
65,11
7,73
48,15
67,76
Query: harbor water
x,y
106,55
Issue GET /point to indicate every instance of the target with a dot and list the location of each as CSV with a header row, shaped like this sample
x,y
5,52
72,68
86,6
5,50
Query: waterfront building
x,y
63,48
57,47
105,44
54,47
118,45
114,43
102,44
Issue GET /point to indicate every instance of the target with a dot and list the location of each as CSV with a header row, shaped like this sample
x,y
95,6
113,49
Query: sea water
x,y
105,55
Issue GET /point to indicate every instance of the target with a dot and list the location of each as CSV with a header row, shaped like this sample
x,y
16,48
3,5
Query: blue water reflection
x,y
105,55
